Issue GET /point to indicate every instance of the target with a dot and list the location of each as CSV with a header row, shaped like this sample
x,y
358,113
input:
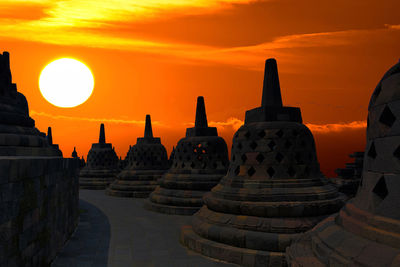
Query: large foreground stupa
x,y
147,162
200,160
102,165
366,232
273,190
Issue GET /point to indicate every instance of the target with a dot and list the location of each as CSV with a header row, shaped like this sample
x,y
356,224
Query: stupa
x,y
349,178
18,135
200,161
102,165
366,232
273,190
147,162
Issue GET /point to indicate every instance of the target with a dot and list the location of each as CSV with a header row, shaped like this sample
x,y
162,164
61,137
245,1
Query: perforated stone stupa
x,y
147,162
201,159
366,232
18,135
273,190
102,165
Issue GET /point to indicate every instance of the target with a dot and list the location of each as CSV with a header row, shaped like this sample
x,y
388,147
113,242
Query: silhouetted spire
x,y
49,136
271,95
102,137
74,153
201,117
148,132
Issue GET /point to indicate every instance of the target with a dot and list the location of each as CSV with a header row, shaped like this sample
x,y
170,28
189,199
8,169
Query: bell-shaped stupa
x,y
18,135
147,162
102,165
366,232
273,190
200,161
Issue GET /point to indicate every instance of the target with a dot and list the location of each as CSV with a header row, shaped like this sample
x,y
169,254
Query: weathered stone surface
x,y
147,162
199,162
273,190
102,165
366,232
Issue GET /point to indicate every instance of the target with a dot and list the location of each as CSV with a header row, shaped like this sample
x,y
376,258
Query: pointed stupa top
x,y
272,108
148,134
200,125
102,136
148,131
271,95
74,153
49,136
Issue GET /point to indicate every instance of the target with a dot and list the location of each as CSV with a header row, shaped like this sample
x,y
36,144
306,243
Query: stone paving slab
x,y
119,232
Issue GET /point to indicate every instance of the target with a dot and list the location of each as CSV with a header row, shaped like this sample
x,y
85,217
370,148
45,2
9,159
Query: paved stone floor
x,y
119,232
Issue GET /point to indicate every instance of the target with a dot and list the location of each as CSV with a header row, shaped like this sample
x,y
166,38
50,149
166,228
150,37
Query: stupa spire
x,y
148,131
271,95
49,136
102,136
201,116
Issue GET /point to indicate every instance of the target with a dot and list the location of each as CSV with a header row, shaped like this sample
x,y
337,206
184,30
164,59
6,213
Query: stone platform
x,y
118,232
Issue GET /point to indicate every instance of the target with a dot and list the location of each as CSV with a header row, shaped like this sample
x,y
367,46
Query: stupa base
x,y
95,183
172,210
241,256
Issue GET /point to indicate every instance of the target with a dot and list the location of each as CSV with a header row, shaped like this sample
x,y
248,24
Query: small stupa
x,y
18,135
200,161
147,162
273,190
74,153
366,231
102,165
348,179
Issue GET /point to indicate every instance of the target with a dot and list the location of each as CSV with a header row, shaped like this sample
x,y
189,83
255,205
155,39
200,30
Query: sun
x,y
66,82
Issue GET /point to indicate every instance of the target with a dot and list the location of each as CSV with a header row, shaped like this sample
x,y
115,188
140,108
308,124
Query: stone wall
x,y
39,198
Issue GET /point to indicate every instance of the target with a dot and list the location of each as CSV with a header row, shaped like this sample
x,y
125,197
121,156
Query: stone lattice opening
x,y
270,171
372,151
387,117
251,171
380,188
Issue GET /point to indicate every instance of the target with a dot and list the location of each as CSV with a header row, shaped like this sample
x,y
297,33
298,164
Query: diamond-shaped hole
x,y
270,171
183,165
387,117
279,157
240,146
380,188
372,151
279,133
247,135
244,158
233,158
272,145
253,145
291,171
288,144
260,157
251,171
396,153
237,170
215,165
192,165
261,134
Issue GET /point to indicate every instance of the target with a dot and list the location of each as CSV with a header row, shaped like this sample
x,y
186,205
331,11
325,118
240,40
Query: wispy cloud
x,y
235,124
109,120
80,23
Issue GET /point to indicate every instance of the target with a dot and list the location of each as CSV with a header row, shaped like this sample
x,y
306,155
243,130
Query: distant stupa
x,y
200,160
147,162
102,165
273,190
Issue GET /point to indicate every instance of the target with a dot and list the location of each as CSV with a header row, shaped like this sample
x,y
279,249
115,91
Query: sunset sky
x,y
156,56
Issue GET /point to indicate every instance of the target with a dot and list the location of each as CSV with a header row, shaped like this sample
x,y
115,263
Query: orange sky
x,y
156,56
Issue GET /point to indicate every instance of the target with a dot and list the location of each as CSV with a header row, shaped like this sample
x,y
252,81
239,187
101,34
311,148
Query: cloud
x,y
336,127
236,123
110,120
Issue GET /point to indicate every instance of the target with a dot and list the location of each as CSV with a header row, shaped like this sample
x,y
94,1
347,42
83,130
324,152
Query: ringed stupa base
x,y
135,183
96,179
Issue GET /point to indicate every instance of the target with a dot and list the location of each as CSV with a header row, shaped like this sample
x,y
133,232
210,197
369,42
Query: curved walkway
x,y
119,232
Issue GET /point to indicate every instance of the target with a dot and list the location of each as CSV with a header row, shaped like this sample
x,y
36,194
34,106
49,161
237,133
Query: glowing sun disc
x,y
66,82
